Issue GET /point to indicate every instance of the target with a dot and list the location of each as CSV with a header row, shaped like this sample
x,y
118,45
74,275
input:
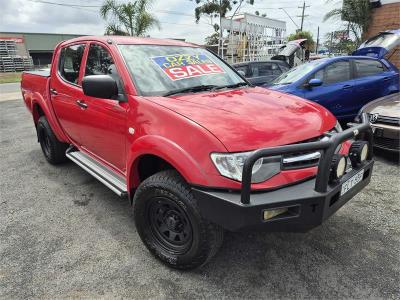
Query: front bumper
x,y
308,203
386,137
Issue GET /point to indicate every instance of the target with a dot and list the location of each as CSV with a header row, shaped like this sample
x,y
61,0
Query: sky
x,y
176,17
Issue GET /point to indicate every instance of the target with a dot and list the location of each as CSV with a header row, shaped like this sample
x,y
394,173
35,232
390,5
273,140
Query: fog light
x,y
358,152
269,214
338,166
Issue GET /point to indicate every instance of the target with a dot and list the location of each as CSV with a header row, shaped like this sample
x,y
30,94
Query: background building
x,y
386,16
39,46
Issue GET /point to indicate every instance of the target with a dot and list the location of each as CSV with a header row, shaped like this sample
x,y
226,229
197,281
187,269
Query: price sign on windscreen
x,y
182,66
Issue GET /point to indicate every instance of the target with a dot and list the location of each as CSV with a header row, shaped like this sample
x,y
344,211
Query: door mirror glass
x,y
315,82
100,86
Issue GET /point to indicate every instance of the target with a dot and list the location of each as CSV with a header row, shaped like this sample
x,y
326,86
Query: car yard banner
x,y
182,66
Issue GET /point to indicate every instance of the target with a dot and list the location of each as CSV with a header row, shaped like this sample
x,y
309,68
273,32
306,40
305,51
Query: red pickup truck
x,y
192,144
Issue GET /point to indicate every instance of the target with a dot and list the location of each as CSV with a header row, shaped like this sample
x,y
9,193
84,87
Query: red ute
x,y
195,148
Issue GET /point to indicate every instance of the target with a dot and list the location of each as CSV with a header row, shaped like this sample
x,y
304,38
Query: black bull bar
x,y
326,147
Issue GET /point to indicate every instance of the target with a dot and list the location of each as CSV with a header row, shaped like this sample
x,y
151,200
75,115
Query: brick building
x,y
385,16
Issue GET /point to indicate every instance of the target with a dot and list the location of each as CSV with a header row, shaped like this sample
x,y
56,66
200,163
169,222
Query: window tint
x,y
368,67
319,75
263,69
70,62
337,72
100,62
243,69
284,68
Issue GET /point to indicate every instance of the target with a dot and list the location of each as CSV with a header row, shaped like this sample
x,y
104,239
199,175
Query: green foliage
x,y
213,9
339,45
212,39
131,18
310,44
358,15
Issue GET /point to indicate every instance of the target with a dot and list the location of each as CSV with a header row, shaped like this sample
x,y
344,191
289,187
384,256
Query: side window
x,y
264,69
368,67
337,72
70,62
243,69
100,62
284,68
318,75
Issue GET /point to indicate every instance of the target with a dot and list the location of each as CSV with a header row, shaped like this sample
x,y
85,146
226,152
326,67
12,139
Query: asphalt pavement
x,y
64,234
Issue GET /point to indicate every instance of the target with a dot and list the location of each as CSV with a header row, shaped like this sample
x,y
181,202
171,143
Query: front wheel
x,y
170,225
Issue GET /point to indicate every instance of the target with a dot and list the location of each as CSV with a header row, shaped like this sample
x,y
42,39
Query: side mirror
x,y
242,73
100,86
314,82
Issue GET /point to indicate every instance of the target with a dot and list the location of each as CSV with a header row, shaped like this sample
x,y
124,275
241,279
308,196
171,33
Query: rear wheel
x,y
53,149
170,225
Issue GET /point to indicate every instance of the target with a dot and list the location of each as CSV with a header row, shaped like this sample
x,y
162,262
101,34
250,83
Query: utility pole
x,y
302,14
316,47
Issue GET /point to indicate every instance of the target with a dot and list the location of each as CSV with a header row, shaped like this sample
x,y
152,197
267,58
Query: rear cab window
x,y
70,63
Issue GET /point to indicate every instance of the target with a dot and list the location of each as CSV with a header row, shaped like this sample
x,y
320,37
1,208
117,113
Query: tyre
x,y
52,148
170,225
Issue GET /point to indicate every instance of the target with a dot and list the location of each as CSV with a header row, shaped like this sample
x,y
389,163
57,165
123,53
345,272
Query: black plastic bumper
x,y
308,203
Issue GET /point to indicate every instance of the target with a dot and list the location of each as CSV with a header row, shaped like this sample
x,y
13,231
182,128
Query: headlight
x,y
231,165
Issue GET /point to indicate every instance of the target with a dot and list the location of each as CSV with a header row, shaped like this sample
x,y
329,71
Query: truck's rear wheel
x,y
53,149
170,225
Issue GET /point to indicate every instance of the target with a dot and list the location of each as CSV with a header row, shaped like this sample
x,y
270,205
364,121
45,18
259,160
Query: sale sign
x,y
182,66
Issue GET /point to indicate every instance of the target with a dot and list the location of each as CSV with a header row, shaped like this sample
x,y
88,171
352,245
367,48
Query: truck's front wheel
x,y
53,149
170,225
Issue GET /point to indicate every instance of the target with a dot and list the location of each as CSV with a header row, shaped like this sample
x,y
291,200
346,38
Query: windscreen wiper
x,y
232,86
197,88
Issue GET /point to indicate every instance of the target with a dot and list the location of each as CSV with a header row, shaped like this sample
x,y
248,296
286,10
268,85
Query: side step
x,y
108,177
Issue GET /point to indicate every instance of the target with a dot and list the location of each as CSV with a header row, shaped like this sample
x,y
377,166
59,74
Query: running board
x,y
109,178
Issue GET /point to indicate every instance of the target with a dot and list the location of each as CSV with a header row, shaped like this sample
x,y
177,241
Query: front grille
x,y
384,142
388,121
300,160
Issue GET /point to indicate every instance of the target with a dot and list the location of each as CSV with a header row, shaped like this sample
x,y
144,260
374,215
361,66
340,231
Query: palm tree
x,y
131,18
358,15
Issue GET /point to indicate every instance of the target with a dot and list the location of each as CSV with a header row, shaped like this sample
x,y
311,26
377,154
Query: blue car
x,y
345,84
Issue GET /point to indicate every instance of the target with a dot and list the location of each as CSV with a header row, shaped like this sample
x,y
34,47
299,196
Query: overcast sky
x,y
176,17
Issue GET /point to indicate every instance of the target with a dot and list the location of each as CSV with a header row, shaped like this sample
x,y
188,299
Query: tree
x,y
337,42
212,39
131,18
310,44
358,15
215,9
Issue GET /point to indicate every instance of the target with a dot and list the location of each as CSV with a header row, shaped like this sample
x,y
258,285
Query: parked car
x,y
195,149
345,84
384,116
292,53
261,72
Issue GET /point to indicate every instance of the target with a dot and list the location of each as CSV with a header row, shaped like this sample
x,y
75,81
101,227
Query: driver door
x,y
104,120
336,91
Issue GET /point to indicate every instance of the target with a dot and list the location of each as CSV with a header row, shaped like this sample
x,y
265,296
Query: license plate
x,y
351,182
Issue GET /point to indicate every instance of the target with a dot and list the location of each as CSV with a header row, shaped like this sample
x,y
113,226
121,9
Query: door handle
x,y
82,104
53,91
386,79
346,87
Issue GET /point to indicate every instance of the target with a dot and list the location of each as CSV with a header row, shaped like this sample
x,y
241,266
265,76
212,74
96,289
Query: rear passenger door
x,y
336,91
65,89
371,80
